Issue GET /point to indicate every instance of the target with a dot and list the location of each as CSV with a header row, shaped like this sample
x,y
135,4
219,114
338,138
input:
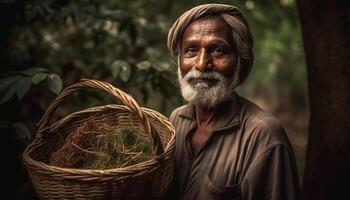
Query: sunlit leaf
x,y
37,78
162,66
54,83
116,67
125,73
144,64
23,86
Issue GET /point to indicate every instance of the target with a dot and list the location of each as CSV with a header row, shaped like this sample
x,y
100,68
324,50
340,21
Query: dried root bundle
x,y
93,146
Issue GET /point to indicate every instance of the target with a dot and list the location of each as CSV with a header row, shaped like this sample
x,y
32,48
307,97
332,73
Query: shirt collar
x,y
226,119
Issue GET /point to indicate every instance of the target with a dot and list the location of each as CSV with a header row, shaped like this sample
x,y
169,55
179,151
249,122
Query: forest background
x,y
48,45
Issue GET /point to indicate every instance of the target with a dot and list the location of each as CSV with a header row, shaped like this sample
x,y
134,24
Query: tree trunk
x,y
326,33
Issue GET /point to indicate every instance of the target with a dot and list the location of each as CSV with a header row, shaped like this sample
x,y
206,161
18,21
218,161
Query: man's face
x,y
207,62
207,46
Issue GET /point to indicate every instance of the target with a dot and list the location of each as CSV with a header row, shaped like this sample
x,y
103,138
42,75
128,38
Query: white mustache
x,y
202,93
194,74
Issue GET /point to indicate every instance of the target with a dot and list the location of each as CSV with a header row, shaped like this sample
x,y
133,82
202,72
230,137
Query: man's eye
x,y
218,51
190,51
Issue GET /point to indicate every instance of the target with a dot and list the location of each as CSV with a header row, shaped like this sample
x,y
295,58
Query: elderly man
x,y
226,146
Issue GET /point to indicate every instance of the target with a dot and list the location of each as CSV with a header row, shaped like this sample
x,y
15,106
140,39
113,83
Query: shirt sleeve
x,y
172,193
272,176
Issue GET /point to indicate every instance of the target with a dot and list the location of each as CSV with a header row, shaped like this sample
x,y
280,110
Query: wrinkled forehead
x,y
210,26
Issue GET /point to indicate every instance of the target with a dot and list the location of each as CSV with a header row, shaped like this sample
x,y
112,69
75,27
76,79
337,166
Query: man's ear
x,y
237,74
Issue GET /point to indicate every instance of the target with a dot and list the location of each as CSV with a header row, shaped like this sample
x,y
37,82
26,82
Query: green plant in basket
x,y
119,148
102,147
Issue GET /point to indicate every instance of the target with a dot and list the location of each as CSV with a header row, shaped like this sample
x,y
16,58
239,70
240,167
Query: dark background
x,y
48,45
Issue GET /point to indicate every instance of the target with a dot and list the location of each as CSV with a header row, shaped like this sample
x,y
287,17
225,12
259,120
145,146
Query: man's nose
x,y
203,62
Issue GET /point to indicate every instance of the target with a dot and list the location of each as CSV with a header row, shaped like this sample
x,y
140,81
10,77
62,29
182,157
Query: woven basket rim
x,y
148,165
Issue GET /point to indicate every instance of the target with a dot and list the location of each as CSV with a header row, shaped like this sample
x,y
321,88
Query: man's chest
x,y
199,137
217,163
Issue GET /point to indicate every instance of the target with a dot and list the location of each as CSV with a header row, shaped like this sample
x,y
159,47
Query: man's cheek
x,y
186,65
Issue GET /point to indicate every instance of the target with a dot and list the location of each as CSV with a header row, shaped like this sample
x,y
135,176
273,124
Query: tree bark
x,y
326,34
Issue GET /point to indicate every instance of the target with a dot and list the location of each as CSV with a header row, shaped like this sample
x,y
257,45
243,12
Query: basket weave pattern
x,y
147,180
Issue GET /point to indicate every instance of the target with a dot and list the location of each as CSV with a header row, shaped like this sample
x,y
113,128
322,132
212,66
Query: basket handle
x,y
125,98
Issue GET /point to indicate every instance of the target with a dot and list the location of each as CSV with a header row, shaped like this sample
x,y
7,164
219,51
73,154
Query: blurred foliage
x,y
124,43
19,82
279,72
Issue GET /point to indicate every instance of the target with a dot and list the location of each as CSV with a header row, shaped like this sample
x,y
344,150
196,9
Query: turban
x,y
243,41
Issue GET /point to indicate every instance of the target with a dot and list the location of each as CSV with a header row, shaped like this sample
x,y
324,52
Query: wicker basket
x,y
147,180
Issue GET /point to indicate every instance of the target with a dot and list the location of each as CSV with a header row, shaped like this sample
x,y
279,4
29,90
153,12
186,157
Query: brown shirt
x,y
247,156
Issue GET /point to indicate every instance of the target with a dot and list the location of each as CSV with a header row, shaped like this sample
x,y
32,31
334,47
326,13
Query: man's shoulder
x,y
262,125
254,115
175,114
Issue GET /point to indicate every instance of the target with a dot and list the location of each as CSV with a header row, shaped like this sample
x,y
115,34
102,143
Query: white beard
x,y
204,94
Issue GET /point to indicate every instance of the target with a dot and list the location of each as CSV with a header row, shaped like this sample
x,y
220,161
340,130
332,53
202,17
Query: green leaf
x,y
34,70
23,86
8,88
23,133
39,77
54,83
116,67
126,72
7,96
162,66
7,83
144,64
